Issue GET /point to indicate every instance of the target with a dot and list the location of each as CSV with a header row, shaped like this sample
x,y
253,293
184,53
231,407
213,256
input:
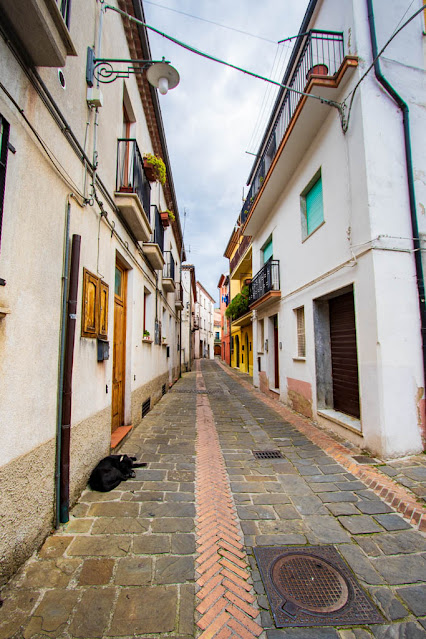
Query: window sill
x,y
147,340
351,423
312,232
299,359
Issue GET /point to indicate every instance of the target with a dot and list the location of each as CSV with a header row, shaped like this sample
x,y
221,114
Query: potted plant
x,y
146,336
317,69
155,169
167,217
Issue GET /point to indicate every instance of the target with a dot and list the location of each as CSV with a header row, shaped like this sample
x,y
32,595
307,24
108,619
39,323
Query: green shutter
x,y
314,207
267,251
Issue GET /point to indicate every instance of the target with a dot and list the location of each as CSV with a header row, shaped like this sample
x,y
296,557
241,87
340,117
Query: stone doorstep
x,y
119,434
390,491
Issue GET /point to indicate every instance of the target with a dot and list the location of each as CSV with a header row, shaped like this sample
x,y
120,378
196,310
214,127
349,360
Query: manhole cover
x,y
312,586
267,454
310,583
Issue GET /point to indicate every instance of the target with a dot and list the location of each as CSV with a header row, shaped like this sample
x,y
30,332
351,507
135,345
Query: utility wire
x,y
223,26
188,47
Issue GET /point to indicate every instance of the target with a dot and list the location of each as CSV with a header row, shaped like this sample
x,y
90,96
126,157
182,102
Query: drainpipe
x,y
410,177
67,381
61,363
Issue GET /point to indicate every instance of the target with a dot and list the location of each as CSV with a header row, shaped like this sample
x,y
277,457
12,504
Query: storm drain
x,y
312,586
267,454
364,459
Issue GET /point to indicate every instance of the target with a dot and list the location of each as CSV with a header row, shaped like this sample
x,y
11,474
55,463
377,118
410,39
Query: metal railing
x,y
179,292
158,235
130,176
245,244
267,279
322,53
169,266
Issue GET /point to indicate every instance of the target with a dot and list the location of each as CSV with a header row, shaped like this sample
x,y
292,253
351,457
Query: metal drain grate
x,y
146,407
163,389
267,454
313,586
364,459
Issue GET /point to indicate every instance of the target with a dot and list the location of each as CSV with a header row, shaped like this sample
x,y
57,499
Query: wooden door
x,y
276,354
344,360
119,348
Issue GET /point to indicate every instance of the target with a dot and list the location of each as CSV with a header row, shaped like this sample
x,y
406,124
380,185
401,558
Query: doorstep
x,y
119,434
342,419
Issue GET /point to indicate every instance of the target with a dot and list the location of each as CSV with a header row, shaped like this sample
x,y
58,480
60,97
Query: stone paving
x,y
409,472
126,563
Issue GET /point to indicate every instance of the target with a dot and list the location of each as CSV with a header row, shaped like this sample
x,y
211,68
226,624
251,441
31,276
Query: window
x,y
65,9
267,251
260,335
300,323
94,316
4,142
312,209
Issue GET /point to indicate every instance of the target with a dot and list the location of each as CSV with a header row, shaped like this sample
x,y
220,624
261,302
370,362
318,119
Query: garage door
x,y
344,359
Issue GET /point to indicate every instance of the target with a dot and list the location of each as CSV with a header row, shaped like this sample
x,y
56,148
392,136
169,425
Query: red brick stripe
x,y
225,598
389,490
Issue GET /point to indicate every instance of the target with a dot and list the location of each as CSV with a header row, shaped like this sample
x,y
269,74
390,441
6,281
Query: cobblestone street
x,y
170,553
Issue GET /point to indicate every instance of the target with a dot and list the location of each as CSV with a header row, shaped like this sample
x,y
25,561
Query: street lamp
x,y
160,73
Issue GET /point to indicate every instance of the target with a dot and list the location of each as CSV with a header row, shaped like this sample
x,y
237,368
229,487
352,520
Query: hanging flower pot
x,y
164,215
154,167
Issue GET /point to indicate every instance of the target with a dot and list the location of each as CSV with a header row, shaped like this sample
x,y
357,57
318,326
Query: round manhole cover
x,y
310,583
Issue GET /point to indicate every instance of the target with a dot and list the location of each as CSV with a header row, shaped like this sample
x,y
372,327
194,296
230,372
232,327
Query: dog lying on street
x,y
111,471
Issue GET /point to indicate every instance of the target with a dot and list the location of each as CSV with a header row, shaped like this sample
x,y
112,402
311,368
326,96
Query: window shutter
x,y
314,207
89,313
267,251
103,310
301,344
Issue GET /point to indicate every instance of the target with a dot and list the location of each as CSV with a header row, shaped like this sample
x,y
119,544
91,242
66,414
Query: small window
x,y
65,9
4,142
267,251
300,322
94,316
312,208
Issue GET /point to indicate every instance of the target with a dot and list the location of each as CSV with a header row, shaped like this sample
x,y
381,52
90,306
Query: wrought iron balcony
x,y
265,281
169,266
245,244
158,236
179,296
130,172
321,53
154,248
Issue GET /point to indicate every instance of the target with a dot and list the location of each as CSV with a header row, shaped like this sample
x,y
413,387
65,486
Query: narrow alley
x,y
189,547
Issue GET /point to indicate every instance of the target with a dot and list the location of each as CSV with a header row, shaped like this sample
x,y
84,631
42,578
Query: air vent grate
x,y
163,389
267,454
146,407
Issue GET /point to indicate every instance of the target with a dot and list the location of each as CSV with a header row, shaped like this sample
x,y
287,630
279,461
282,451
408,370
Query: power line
x,y
217,24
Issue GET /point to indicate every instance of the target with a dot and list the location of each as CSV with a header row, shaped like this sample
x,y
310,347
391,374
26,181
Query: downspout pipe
x,y
402,105
61,362
67,380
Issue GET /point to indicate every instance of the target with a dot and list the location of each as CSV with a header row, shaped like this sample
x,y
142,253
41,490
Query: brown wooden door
x,y
119,348
344,360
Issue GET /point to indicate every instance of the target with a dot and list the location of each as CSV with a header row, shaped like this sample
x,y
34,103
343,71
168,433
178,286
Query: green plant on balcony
x,y
155,168
146,333
171,215
239,304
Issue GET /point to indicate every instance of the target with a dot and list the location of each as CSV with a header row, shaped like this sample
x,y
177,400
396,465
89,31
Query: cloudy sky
x,y
217,114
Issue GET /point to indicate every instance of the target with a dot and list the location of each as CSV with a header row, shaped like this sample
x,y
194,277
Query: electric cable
x,y
223,26
192,49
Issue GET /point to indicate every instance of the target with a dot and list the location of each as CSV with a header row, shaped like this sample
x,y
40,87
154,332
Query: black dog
x,y
111,471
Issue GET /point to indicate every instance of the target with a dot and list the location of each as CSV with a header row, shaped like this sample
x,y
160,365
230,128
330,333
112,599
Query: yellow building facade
x,y
239,253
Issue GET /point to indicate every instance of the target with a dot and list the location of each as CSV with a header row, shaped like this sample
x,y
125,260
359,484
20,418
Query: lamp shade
x,y
163,76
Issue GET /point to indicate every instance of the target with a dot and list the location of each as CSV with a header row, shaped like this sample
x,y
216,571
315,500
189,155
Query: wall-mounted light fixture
x,y
160,73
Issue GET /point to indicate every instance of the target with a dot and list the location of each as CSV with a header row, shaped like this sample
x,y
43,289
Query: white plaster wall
x,y
365,196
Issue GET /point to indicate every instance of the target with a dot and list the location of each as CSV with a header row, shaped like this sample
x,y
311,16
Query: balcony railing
x,y
266,280
246,241
158,236
130,173
322,52
169,266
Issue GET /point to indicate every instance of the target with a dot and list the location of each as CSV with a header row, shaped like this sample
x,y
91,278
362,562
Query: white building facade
x,y
337,322
71,168
204,318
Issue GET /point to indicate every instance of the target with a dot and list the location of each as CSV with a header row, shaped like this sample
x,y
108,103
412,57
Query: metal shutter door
x,y
344,360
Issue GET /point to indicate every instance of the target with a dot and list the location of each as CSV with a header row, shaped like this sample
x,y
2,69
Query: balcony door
x,y
276,353
119,348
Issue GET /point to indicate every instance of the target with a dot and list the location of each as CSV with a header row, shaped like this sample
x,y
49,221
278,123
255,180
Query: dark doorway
x,y
276,354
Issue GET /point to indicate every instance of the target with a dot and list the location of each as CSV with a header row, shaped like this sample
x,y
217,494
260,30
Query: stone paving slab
x,y
124,564
379,545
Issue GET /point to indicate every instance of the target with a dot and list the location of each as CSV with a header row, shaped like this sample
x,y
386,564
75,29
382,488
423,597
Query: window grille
x,y
4,142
